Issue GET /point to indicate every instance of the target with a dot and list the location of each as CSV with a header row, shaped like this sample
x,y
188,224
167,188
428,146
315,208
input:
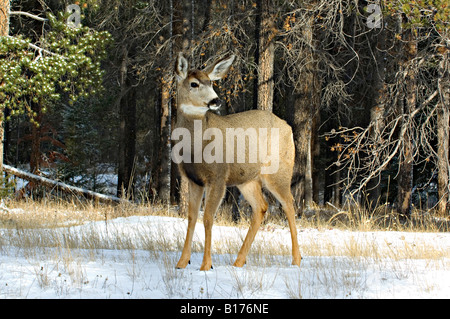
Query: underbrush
x,y
50,213
48,223
359,218
340,248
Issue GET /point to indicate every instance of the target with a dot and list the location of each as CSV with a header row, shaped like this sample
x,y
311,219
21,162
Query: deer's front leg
x,y
214,195
195,199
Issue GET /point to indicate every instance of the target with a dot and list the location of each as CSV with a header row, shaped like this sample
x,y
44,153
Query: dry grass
x,y
43,216
46,226
48,213
360,218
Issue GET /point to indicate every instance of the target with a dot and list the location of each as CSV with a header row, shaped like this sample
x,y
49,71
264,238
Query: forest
x,y
87,93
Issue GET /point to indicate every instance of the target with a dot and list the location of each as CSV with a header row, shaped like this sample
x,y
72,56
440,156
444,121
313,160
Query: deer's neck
x,y
191,111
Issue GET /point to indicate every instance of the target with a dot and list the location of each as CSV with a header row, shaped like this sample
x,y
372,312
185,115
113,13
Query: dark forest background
x,y
364,85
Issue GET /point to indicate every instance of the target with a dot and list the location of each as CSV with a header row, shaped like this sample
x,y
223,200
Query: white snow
x,y
135,257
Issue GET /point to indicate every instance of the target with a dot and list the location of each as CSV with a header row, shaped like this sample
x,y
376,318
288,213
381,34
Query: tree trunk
x,y
186,31
127,144
337,189
35,156
207,18
407,106
405,177
302,127
306,105
377,112
165,170
265,55
36,179
443,135
127,131
165,147
315,152
4,17
4,31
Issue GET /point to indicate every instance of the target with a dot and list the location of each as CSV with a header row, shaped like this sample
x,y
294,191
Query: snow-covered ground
x,y
336,263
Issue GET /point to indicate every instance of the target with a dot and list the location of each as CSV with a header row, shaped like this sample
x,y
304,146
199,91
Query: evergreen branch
x,y
39,49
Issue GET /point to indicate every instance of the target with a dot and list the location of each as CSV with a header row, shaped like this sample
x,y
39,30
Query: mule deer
x,y
196,99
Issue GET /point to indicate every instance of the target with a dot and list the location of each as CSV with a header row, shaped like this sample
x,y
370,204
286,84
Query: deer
x,y
197,103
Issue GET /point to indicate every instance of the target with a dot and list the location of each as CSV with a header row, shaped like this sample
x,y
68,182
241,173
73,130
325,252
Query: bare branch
x,y
35,17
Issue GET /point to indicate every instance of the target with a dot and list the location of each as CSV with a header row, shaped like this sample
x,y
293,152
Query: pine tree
x,y
65,67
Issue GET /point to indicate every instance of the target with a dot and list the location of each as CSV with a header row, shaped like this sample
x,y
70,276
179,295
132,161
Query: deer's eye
x,y
194,85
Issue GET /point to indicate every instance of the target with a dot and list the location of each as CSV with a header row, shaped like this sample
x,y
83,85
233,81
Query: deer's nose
x,y
215,103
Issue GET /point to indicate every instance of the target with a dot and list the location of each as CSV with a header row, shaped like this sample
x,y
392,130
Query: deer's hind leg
x,y
252,192
281,189
195,199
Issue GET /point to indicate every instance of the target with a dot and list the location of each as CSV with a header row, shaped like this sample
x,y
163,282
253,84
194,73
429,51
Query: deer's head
x,y
195,91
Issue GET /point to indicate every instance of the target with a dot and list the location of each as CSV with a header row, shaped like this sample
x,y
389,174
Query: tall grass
x,y
50,228
49,213
49,224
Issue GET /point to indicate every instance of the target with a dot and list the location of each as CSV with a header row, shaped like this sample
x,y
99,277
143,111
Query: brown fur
x,y
215,177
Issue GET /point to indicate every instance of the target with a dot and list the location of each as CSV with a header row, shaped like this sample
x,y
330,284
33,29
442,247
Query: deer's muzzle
x,y
215,103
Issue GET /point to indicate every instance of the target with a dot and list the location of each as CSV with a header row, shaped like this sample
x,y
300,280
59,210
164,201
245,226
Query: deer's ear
x,y
219,68
181,67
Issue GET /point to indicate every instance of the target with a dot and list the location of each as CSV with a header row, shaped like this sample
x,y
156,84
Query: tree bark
x,y
443,135
265,56
127,147
306,105
302,130
183,43
4,31
35,156
165,146
127,130
165,176
315,153
407,107
377,112
61,186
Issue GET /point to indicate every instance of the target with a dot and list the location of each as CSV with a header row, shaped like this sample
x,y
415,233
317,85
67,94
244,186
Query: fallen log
x,y
61,186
